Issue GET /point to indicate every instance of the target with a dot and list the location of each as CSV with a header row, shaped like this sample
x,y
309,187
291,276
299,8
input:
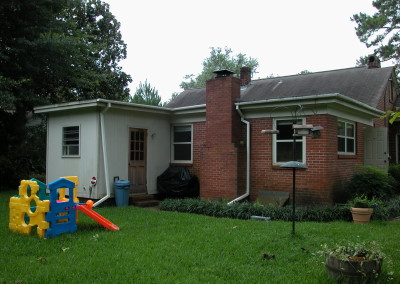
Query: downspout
x,y
247,157
105,159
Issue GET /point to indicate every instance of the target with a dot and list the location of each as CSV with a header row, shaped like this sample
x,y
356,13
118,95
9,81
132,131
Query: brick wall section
x,y
245,76
319,183
220,157
222,120
199,141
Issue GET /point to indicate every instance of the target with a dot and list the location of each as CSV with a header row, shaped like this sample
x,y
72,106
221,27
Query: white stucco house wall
x,y
108,140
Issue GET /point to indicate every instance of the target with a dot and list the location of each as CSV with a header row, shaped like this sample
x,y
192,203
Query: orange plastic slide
x,y
97,217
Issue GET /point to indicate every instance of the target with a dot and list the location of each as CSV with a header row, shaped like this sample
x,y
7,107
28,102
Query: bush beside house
x,y
373,183
370,182
389,209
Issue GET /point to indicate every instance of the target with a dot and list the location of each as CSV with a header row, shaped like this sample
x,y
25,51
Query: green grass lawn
x,y
169,247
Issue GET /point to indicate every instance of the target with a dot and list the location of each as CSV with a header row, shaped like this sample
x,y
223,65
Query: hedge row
x,y
245,210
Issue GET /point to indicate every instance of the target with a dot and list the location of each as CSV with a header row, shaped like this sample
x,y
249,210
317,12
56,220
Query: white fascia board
x,y
189,114
318,104
189,109
66,106
136,107
102,103
188,118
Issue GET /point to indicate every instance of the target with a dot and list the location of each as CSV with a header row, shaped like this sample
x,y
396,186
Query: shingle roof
x,y
359,83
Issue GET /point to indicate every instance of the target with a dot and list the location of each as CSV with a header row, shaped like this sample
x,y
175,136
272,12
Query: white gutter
x,y
105,159
324,98
247,158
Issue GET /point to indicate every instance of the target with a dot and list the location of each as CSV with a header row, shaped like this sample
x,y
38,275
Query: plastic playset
x,y
53,214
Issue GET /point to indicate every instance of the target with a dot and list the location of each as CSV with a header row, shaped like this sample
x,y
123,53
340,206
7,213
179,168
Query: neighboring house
x,y
217,133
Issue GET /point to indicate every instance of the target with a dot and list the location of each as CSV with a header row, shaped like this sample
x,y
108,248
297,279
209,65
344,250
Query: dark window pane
x,y
341,128
341,144
350,145
350,130
182,152
285,128
132,156
74,150
71,140
285,132
182,134
285,151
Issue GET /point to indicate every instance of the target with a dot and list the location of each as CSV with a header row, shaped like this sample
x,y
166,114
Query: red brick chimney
x,y
219,164
245,76
373,62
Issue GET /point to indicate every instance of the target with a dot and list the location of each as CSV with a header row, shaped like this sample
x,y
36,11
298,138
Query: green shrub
x,y
246,210
363,202
384,211
394,171
387,210
371,182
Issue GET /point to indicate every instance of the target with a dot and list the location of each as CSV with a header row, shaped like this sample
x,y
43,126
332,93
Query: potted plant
x,y
354,263
362,208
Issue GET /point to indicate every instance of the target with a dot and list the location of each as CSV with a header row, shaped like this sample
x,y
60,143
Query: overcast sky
x,y
169,39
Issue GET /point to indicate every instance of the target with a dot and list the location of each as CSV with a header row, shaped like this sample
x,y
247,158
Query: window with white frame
x,y
70,142
182,143
346,137
283,142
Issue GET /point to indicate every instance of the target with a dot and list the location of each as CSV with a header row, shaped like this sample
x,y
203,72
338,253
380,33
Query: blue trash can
x,y
121,188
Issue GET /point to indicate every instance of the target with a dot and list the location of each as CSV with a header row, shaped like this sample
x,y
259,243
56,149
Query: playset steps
x,y
144,200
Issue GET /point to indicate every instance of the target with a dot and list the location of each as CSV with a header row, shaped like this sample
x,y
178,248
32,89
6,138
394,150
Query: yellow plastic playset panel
x,y
62,190
22,218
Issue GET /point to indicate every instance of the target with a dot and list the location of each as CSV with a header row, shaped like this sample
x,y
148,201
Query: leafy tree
x,y
53,51
219,59
381,29
146,94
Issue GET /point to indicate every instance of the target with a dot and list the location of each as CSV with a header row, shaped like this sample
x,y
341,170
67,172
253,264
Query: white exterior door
x,y
376,148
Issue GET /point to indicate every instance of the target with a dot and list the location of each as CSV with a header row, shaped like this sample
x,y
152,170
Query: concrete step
x,y
144,200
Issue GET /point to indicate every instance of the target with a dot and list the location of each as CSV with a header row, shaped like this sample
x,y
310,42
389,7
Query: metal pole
x,y
294,189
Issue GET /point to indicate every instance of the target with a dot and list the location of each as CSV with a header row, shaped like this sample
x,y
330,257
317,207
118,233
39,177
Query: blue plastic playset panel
x,y
62,214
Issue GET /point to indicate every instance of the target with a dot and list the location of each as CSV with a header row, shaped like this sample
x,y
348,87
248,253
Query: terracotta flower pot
x,y
353,271
361,215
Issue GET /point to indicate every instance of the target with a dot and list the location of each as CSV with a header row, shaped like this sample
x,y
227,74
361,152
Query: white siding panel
x,y
86,165
118,123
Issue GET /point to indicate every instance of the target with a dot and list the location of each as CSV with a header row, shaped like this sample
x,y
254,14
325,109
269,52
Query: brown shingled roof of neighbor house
x,y
359,83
